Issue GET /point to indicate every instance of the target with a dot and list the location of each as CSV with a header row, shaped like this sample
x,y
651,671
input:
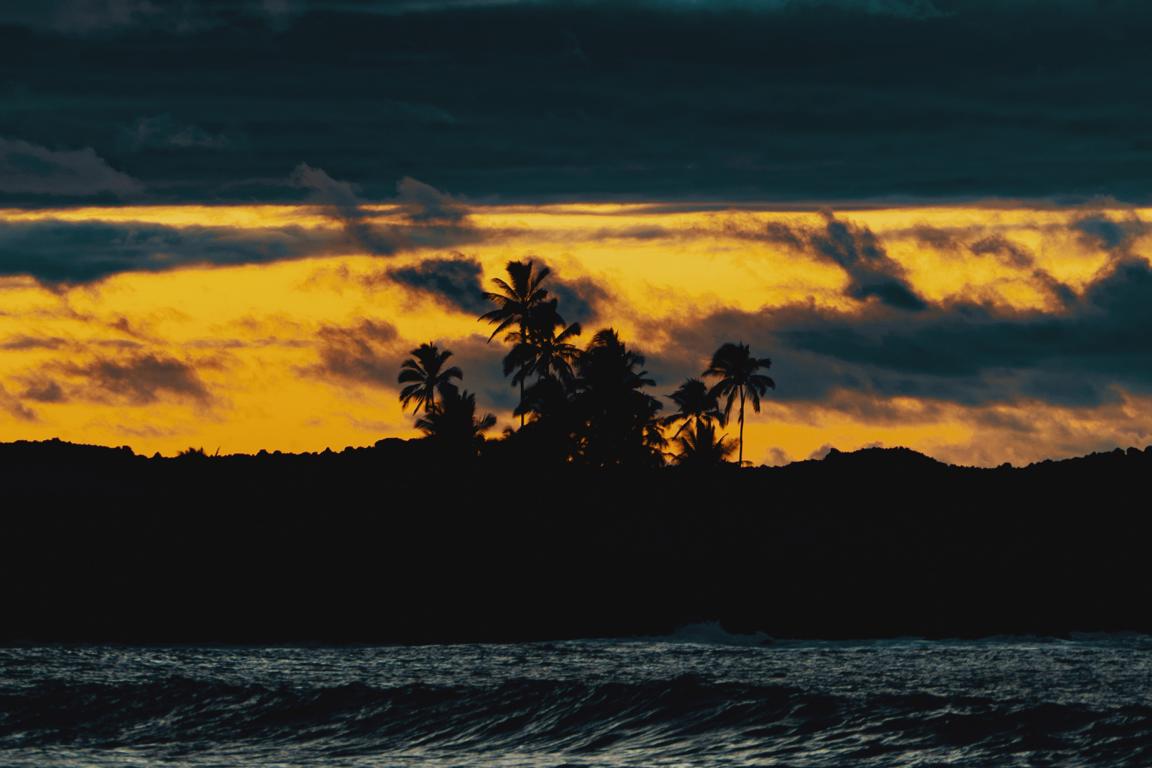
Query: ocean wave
x,y
559,716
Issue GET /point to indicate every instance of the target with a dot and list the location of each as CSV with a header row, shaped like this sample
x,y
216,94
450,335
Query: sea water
x,y
698,698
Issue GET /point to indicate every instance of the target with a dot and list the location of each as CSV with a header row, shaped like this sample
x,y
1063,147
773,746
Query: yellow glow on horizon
x,y
254,333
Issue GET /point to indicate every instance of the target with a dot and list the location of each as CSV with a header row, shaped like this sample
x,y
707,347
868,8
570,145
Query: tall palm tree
x,y
736,370
516,299
696,405
700,446
425,375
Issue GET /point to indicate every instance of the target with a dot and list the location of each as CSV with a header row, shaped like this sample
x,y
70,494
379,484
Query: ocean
x,y
701,697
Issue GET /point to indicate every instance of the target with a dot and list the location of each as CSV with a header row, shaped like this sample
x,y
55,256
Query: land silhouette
x,y
408,541
600,515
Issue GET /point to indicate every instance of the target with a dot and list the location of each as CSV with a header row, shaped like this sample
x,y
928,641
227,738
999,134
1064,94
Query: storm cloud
x,y
784,100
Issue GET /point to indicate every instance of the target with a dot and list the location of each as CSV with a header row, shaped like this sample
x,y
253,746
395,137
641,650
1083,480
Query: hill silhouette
x,y
403,542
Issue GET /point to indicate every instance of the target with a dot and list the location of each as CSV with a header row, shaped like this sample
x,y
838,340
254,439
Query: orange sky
x,y
236,354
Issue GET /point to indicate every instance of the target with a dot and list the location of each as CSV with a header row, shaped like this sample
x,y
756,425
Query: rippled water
x,y
701,698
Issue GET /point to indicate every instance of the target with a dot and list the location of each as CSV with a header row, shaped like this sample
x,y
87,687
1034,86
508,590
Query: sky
x,y
225,224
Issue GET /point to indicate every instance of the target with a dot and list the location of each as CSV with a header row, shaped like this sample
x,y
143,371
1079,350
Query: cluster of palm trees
x,y
582,405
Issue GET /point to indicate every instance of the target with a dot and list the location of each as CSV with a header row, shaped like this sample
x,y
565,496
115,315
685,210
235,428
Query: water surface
x,y
700,698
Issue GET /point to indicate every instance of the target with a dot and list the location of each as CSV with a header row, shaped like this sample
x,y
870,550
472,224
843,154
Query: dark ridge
x,y
402,542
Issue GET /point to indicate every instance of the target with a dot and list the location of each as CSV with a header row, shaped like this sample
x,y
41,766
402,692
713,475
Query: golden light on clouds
x,y
300,353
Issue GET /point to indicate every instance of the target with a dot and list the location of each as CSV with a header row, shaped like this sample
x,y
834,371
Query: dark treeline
x,y
585,406
400,542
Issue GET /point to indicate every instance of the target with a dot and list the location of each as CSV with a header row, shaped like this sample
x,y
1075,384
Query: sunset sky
x,y
225,224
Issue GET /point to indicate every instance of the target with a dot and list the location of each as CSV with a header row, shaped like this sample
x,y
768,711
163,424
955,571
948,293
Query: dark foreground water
x,y
700,698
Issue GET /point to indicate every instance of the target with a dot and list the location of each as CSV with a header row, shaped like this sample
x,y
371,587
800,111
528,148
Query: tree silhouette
x,y
696,404
453,423
549,438
425,375
516,299
700,446
544,348
617,421
736,370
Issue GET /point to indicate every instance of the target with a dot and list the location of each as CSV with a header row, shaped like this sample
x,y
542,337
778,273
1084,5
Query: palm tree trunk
x,y
741,427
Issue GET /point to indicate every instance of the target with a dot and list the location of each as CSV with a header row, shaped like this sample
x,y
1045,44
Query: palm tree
x,y
516,299
700,447
695,405
453,422
544,348
425,375
736,370
618,422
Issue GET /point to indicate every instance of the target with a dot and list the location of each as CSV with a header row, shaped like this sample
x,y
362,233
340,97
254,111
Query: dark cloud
x,y
139,379
1004,250
432,219
340,198
366,353
107,18
12,406
458,282
632,232
781,234
32,342
1017,256
972,354
578,299
369,352
79,17
935,238
872,273
1105,233
455,281
862,256
30,170
422,202
164,132
774,100
59,252
44,390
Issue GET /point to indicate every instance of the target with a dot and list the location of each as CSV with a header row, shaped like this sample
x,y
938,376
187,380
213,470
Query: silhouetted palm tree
x,y
515,300
617,421
425,375
453,422
695,405
736,370
700,447
544,348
